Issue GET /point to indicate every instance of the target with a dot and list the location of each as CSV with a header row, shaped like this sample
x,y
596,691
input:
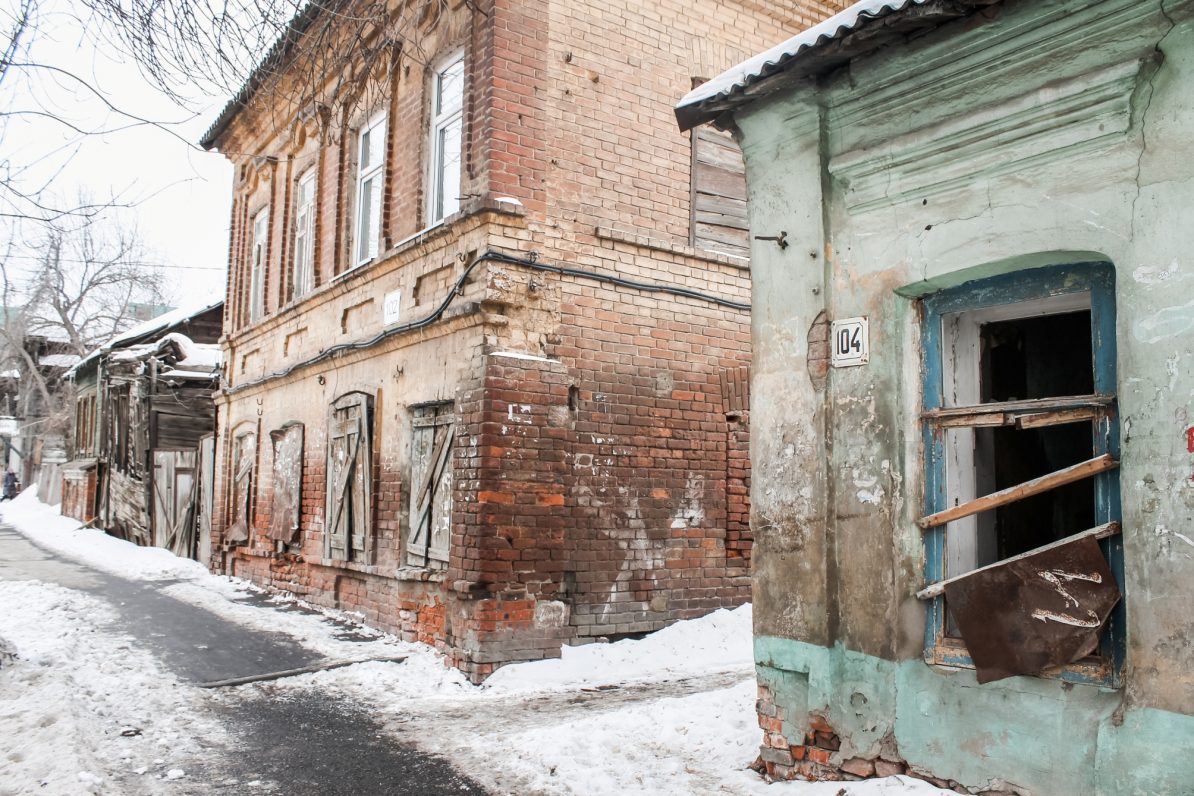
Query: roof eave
x,y
862,28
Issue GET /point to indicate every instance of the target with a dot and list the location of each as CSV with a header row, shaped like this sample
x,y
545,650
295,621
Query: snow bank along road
x,y
103,697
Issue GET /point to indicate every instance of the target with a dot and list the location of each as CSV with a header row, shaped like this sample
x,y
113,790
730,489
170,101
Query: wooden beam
x,y
978,420
1068,475
1018,407
318,667
1058,418
1098,532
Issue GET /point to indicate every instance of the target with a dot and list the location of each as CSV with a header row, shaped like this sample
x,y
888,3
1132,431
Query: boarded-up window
x,y
431,485
288,483
244,462
718,194
350,479
1021,436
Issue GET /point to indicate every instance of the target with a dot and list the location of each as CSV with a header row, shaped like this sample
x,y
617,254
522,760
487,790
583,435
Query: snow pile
x,y
718,642
694,744
45,526
671,713
81,709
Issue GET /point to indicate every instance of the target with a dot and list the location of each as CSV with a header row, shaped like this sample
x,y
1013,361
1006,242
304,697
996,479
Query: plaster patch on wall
x,y
1153,275
1165,535
690,512
869,490
519,413
1166,323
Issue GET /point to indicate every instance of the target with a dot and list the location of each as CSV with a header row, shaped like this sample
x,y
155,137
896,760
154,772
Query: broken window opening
x,y
1022,439
430,524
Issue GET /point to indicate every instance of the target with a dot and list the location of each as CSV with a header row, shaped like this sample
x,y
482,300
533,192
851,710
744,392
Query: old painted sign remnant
x,y
1034,611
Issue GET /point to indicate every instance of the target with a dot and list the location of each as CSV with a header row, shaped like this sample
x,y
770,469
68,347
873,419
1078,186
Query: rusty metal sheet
x,y
288,482
1034,611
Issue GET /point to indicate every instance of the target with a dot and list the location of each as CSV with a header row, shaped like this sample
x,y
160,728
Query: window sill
x,y
422,574
951,655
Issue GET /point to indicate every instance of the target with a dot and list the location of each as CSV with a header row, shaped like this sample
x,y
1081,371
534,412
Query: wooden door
x,y
173,501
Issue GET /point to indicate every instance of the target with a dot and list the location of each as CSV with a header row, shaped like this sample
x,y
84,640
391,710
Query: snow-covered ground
x,y
670,714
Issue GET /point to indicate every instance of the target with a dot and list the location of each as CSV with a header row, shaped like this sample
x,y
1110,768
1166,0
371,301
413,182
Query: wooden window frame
x,y
366,242
1043,291
303,260
258,255
439,204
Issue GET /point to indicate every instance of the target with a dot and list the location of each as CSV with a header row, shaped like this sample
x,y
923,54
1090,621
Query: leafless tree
x,y
79,292
27,72
316,54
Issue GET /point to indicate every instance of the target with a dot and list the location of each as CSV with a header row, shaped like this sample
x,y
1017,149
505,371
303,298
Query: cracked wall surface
x,y
1028,134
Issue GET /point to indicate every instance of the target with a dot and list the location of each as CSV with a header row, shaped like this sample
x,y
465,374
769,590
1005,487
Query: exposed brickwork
x,y
600,473
807,747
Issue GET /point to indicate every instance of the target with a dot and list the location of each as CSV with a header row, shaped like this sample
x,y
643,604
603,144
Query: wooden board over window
x,y
288,482
719,221
244,462
350,479
431,485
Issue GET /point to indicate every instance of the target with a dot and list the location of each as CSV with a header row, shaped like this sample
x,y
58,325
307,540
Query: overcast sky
x,y
178,195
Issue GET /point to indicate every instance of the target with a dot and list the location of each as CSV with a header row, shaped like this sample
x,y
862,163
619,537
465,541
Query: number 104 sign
x,y
848,342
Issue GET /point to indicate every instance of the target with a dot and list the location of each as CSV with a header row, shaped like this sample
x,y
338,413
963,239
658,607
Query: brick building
x,y
487,328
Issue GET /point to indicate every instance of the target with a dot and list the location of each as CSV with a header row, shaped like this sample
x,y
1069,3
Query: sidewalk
x,y
670,715
274,743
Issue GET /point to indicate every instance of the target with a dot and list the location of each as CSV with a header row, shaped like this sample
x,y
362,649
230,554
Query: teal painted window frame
x,y
1097,278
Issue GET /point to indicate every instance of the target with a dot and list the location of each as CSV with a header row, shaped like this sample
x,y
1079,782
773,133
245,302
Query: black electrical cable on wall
x,y
497,257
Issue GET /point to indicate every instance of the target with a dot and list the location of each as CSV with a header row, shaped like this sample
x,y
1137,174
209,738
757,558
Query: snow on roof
x,y
59,360
699,105
192,355
147,328
162,321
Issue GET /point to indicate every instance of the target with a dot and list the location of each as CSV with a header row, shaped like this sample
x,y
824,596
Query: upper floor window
x,y
304,234
447,126
1021,436
257,275
371,157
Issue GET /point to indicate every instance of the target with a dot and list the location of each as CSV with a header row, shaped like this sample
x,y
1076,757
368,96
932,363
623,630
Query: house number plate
x,y
849,342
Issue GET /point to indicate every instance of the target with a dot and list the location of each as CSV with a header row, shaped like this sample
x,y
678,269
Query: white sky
x,y
179,195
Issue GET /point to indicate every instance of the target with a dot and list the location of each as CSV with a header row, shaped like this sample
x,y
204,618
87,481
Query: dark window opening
x,y
1023,359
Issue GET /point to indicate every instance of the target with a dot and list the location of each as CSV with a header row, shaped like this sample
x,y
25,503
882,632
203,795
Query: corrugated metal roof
x,y
710,99
281,48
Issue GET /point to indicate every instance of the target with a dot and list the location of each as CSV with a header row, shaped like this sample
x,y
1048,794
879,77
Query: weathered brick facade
x,y
591,362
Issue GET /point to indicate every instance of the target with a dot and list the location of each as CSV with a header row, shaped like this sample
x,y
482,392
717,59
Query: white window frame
x,y
303,272
443,199
367,220
258,264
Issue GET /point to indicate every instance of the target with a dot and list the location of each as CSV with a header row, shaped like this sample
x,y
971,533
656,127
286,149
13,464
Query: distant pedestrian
x,y
11,486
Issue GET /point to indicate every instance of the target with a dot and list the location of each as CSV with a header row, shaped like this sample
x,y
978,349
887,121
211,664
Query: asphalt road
x,y
293,744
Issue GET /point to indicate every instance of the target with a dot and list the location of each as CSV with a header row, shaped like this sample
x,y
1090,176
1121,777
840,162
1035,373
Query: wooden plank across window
x,y
1008,412
1099,532
1067,475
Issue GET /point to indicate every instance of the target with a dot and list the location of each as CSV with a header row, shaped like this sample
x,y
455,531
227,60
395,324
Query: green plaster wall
x,y
1042,735
1042,132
